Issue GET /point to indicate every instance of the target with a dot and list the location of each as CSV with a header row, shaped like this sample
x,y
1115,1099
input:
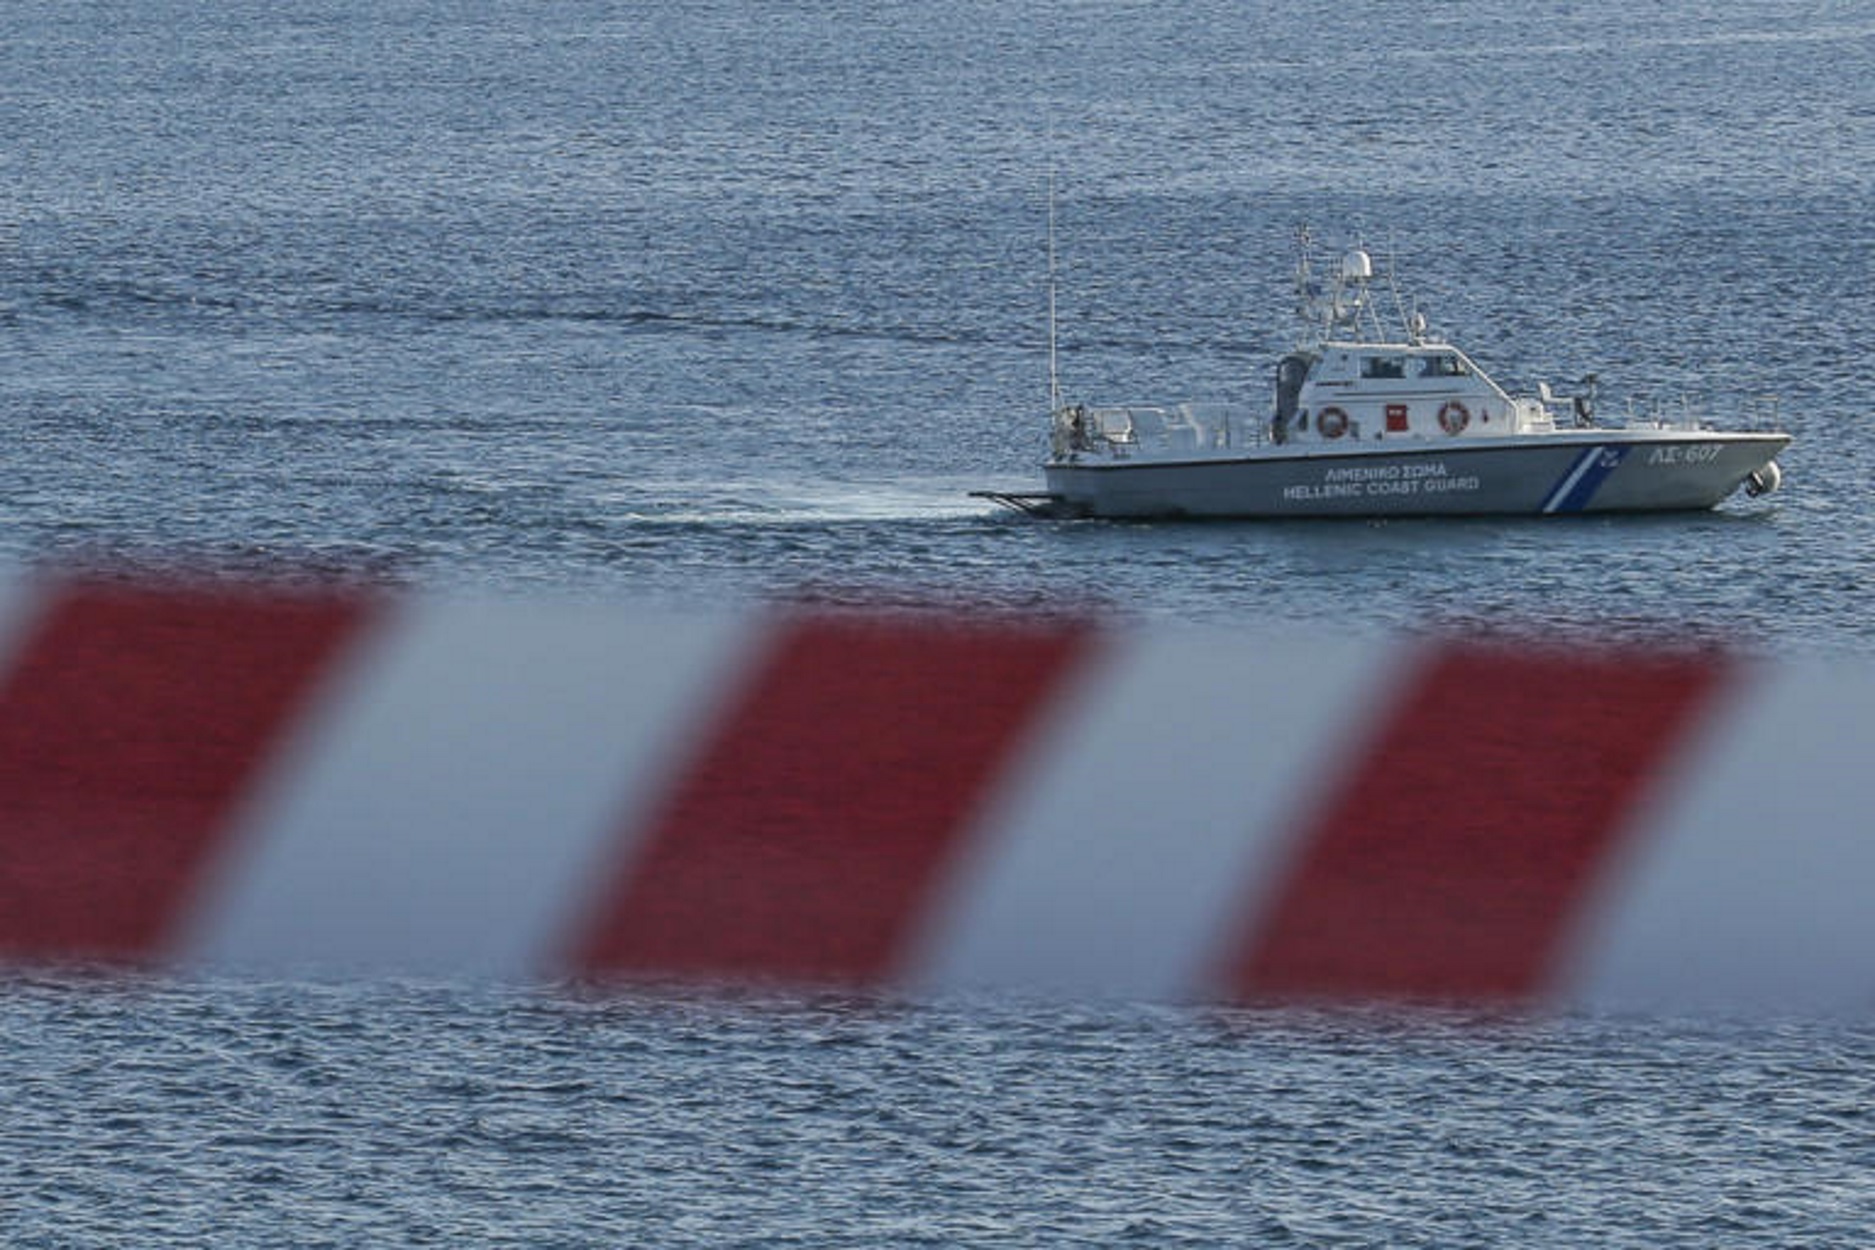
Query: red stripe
x,y
130,721
802,843
1450,864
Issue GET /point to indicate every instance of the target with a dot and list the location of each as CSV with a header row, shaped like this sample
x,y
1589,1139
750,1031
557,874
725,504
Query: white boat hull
x,y
1614,470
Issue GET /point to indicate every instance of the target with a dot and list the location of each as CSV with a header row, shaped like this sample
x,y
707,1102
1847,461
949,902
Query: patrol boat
x,y
1376,424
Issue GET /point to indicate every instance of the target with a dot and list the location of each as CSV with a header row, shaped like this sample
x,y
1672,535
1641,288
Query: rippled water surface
x,y
422,1114
726,298
711,301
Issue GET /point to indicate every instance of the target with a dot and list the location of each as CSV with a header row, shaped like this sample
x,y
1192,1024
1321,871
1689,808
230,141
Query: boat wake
x,y
791,503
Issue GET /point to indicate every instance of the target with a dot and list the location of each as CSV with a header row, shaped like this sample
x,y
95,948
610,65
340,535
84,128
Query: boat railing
x,y
1157,430
1659,414
1763,412
1758,412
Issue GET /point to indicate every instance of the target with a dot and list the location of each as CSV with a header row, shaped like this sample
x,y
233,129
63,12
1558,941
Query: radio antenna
x,y
1054,376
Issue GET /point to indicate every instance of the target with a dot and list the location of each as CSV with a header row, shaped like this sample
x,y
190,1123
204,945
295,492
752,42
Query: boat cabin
x,y
1373,391
1350,382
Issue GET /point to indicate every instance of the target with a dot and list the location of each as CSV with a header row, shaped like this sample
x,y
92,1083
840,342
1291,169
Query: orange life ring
x,y
1453,417
1331,423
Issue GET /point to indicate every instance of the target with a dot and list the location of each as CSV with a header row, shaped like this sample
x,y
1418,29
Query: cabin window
x,y
1383,367
1441,367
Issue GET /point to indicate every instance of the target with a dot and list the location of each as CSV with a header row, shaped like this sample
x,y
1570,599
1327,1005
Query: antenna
x,y
1413,322
1054,377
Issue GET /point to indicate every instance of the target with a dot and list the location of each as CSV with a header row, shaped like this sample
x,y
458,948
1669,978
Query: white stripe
x,y
1583,463
1133,849
463,792
1755,884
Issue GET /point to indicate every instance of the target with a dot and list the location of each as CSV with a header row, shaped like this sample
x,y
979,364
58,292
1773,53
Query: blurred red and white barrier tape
x,y
283,782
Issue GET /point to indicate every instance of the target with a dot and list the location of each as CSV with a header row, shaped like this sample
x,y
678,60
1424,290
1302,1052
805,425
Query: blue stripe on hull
x,y
1585,476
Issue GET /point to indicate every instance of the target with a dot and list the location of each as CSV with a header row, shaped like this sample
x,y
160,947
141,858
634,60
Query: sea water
x,y
709,302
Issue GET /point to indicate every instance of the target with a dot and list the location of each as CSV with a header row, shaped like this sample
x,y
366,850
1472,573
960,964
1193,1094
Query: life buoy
x,y
1453,417
1331,423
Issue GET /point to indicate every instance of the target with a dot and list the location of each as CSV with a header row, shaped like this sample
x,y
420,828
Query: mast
x,y
1054,377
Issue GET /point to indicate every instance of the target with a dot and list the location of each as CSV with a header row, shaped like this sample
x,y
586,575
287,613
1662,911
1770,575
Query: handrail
x,y
1157,429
